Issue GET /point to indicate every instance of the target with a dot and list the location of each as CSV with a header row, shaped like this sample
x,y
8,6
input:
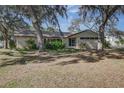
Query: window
x,y
72,41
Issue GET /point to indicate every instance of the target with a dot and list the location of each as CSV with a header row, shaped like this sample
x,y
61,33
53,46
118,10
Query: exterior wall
x,y
1,44
21,41
92,43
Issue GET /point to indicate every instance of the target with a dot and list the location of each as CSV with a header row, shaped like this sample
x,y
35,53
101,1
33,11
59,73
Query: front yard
x,y
79,69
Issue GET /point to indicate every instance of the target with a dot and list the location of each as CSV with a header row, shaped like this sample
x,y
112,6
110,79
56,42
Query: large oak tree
x,y
104,15
9,22
39,15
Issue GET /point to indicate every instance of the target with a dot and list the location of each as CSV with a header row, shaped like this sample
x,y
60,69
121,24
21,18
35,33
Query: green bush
x,y
31,44
54,45
12,44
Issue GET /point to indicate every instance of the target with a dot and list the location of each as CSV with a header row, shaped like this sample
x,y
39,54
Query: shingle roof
x,y
45,33
87,30
24,33
54,34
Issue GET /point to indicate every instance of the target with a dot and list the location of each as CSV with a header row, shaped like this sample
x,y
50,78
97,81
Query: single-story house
x,y
86,38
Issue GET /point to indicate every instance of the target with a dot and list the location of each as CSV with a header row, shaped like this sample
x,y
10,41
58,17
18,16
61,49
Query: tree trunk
x,y
6,43
101,34
40,40
101,30
36,25
5,36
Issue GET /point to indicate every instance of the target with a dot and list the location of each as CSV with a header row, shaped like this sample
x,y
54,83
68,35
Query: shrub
x,y
54,45
31,44
107,44
12,44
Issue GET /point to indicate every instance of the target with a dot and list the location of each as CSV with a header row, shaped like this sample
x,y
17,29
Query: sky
x,y
73,13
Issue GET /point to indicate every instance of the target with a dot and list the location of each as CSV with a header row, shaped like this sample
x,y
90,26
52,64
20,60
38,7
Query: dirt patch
x,y
82,69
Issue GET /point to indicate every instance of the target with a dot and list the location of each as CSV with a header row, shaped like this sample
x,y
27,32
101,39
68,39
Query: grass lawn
x,y
79,69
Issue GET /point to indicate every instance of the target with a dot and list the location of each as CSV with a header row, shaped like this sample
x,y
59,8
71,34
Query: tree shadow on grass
x,y
75,61
91,57
111,54
26,59
50,59
39,59
114,56
79,57
9,53
87,59
13,62
86,56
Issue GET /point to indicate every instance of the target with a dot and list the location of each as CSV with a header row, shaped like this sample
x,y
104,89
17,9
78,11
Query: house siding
x,y
21,41
92,43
